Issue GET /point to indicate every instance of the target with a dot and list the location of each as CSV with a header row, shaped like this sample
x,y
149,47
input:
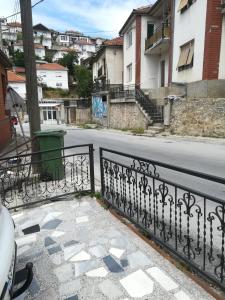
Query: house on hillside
x,y
107,69
53,75
5,127
39,50
42,35
17,82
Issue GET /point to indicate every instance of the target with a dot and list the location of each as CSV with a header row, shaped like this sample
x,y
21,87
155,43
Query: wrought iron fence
x,y
190,223
31,178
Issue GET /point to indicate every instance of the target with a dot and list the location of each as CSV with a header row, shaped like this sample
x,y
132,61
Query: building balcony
x,y
101,85
159,41
101,72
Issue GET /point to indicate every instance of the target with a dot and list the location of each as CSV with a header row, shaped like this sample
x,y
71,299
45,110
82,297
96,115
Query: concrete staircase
x,y
149,106
154,130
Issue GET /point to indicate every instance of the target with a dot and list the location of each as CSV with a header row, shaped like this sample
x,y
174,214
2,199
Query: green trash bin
x,y
51,167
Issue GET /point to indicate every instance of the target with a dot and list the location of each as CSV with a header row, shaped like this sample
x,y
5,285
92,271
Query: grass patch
x,y
138,130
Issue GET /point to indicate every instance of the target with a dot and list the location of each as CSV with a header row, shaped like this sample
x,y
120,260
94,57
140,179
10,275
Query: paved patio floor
x,y
84,252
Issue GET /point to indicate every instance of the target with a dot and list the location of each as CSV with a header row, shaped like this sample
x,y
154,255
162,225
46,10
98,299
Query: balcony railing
x,y
101,85
162,32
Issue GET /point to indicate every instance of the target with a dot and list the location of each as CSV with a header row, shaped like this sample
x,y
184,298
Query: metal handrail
x,y
161,32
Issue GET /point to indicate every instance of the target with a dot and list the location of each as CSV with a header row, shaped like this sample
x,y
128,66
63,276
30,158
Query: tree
x,y
48,57
83,78
18,58
68,61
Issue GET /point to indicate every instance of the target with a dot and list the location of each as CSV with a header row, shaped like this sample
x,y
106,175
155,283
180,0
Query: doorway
x,y
49,115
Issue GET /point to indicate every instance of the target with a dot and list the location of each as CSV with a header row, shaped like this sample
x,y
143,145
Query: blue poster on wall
x,y
99,107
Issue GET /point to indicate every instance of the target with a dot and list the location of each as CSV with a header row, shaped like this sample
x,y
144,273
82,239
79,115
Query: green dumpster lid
x,y
51,132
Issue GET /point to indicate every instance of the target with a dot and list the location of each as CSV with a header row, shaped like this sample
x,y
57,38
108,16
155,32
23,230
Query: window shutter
x,y
191,54
183,56
182,5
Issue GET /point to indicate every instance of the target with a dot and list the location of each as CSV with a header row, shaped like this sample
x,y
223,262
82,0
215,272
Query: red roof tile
x,y
19,70
114,42
51,67
13,77
14,24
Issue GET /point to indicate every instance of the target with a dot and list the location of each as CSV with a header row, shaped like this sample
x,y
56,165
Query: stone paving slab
x,y
84,252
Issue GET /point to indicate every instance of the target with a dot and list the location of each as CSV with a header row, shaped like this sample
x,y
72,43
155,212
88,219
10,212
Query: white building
x,y
39,50
63,40
53,75
108,62
60,52
17,82
42,35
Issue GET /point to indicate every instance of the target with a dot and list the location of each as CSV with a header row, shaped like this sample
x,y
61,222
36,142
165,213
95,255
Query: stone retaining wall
x,y
126,115
199,117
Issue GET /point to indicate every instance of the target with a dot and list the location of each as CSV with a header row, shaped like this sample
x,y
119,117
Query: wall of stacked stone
x,y
126,115
199,117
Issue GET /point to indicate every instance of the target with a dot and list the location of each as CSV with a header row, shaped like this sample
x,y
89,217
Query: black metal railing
x,y
155,112
32,178
162,32
121,91
151,194
101,85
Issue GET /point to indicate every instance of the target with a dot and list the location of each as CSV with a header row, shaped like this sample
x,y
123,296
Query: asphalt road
x,y
204,155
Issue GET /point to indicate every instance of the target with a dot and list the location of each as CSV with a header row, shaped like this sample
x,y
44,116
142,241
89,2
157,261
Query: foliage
x,y
83,78
18,58
48,57
68,61
55,93
138,130
19,36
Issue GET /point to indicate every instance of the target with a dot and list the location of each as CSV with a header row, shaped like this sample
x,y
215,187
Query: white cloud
x,y
84,15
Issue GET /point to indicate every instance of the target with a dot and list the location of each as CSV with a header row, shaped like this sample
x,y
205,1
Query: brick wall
x,y
213,34
126,115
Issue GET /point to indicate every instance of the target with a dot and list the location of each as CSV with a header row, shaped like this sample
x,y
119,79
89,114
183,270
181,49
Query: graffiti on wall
x,y
99,107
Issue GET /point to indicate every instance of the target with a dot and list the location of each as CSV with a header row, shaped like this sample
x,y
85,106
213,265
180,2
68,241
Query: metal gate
x,y
31,178
191,224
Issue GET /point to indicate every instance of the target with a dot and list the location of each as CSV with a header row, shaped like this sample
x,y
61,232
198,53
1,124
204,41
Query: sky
x,y
92,17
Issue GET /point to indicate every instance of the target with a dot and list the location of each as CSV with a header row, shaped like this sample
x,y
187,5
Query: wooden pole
x,y
30,66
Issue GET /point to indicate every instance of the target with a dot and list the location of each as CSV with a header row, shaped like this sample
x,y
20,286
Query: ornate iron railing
x,y
32,178
190,223
120,91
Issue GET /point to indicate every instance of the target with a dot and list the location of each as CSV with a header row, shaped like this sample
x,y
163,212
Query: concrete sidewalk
x,y
83,252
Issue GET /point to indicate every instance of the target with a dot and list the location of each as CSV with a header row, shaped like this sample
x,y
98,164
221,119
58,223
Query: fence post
x,y
92,171
101,171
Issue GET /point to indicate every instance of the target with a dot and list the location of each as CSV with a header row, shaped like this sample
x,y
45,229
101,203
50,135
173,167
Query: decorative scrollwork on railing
x,y
144,167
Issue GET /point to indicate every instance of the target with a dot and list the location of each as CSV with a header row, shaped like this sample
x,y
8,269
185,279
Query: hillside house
x,y
53,75
107,69
17,82
39,50
5,127
42,35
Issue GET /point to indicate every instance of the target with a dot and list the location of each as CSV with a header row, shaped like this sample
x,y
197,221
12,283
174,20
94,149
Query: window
x,y
58,84
185,4
129,38
150,30
129,73
63,38
186,56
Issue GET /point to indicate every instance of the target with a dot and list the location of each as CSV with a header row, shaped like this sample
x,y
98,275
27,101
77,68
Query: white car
x,y
8,258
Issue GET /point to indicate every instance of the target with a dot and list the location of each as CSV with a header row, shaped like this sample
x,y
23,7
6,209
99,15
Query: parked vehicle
x,y
8,258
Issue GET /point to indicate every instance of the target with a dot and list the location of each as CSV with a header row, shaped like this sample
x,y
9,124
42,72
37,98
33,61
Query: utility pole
x,y
30,67
1,41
